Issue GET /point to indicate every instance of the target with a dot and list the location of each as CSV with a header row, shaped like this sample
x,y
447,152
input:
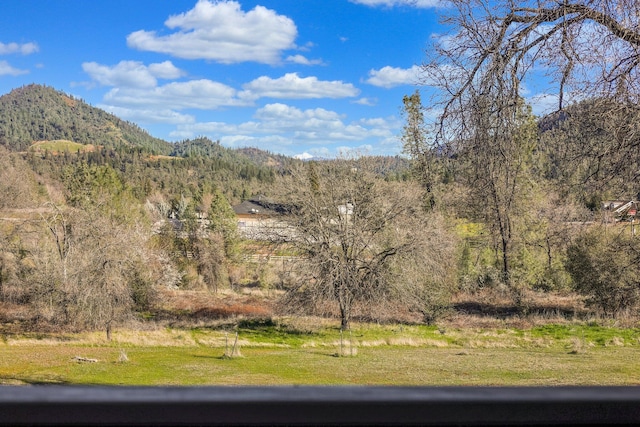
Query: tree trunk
x,y
344,316
505,261
344,321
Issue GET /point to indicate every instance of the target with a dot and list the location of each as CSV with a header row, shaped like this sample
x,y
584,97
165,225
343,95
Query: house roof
x,y
259,205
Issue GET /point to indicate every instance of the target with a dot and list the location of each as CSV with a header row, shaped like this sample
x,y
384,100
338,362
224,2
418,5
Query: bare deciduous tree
x,y
87,270
359,237
499,155
588,47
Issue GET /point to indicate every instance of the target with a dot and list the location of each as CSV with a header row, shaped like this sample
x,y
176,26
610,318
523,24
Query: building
x,y
259,218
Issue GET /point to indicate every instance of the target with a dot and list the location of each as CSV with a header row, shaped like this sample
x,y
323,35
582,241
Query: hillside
x,y
204,147
41,113
266,158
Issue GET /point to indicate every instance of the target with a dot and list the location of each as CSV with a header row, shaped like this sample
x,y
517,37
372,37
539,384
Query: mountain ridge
x,y
41,113
38,113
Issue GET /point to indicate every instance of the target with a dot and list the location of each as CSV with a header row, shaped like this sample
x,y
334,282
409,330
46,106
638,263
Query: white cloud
x,y
304,156
321,152
292,86
392,3
7,70
369,102
221,31
543,103
24,49
285,126
198,94
546,103
165,70
282,111
164,116
131,73
299,59
389,77
379,122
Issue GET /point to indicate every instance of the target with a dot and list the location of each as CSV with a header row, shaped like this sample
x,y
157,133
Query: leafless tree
x,y
358,237
87,269
499,156
9,260
590,48
589,51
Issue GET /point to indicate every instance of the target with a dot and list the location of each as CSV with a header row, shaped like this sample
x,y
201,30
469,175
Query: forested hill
x,y
59,123
41,113
266,158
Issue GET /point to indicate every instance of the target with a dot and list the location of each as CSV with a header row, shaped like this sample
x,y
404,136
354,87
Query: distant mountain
x,y
40,113
266,158
198,147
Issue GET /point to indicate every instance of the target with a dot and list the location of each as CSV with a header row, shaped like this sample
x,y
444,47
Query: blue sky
x,y
298,77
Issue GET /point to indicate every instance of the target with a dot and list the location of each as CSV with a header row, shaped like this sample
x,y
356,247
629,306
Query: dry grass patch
x,y
480,343
416,342
537,342
374,343
616,341
199,308
159,338
491,308
578,346
26,342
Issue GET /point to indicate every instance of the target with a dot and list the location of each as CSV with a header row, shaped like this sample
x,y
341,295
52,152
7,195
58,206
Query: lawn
x,y
371,355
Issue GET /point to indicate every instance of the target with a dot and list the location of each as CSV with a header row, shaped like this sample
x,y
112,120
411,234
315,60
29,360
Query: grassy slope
x,y
385,355
59,146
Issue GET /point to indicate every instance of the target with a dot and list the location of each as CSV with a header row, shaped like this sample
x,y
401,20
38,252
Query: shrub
x,y
604,267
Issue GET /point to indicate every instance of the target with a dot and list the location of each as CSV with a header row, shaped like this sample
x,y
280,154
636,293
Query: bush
x,y
604,267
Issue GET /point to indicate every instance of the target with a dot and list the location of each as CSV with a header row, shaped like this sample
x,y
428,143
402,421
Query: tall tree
x,y
499,154
589,49
222,221
414,144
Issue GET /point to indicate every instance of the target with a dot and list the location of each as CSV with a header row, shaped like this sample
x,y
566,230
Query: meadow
x,y
288,353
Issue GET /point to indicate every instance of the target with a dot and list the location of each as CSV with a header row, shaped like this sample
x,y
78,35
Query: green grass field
x,y
60,146
381,355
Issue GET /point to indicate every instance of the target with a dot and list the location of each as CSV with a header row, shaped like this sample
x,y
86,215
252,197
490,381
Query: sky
x,y
297,77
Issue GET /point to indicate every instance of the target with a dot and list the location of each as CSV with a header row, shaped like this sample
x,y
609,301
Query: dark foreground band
x,y
89,405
